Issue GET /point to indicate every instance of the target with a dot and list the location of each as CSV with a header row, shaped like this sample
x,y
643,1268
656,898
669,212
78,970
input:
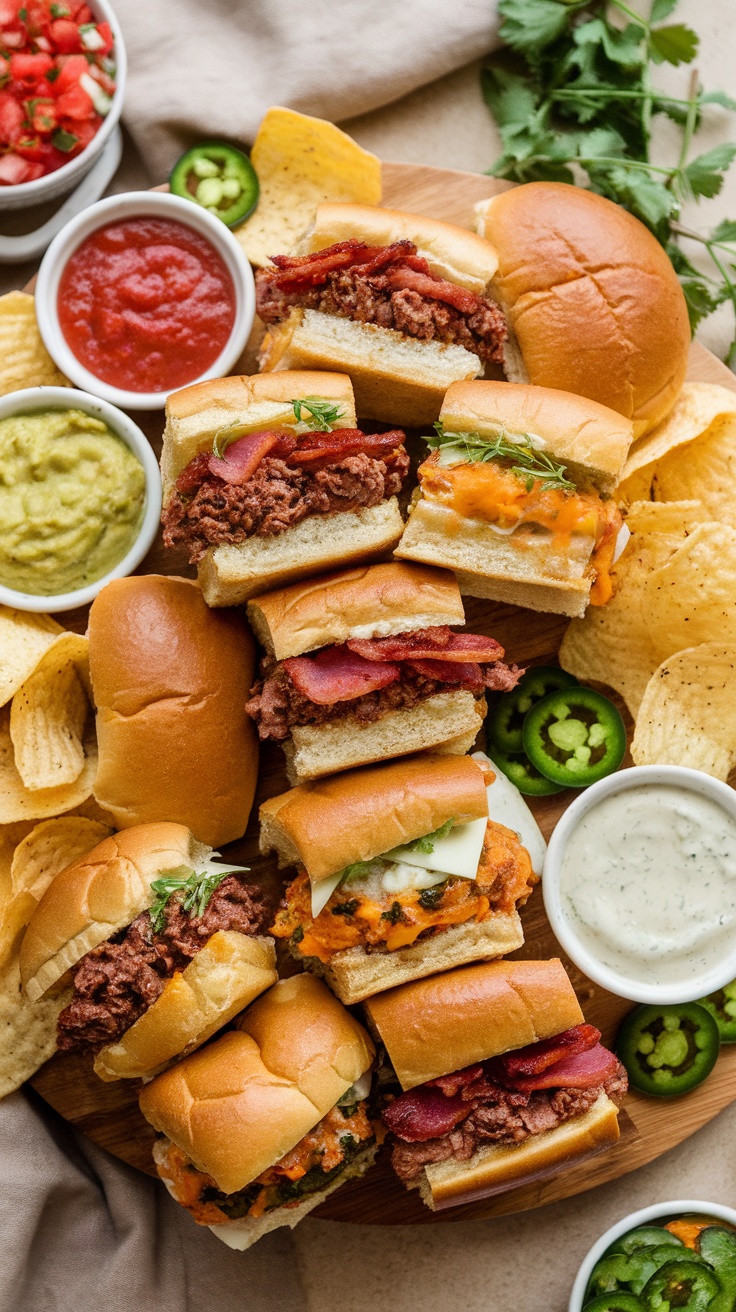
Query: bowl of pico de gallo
x,y
62,82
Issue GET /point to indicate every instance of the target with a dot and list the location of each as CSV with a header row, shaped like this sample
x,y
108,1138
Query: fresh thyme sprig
x,y
573,97
196,887
529,463
323,416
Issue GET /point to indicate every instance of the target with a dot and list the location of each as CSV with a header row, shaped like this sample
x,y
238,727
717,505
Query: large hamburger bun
x,y
170,679
436,1026
593,304
236,1107
331,823
369,602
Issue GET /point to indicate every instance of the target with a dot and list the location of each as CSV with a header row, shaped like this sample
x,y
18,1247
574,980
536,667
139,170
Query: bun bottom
x,y
229,575
496,568
356,974
243,1234
225,975
398,379
499,1167
447,722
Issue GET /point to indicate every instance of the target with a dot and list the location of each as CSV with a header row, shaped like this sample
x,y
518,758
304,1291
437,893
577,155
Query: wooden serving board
x,y
109,1113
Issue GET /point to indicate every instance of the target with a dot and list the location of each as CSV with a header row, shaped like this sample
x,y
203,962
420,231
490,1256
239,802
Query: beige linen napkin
x,y
201,68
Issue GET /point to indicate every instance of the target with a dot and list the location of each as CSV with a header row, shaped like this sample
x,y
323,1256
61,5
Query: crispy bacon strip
x,y
424,1113
466,674
338,675
313,449
437,643
583,1071
243,457
437,289
538,1057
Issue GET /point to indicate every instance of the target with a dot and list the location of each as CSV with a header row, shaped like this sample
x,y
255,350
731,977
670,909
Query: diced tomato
x,y
83,131
71,69
13,170
105,32
42,115
65,35
83,14
13,38
11,118
102,78
8,13
29,68
75,104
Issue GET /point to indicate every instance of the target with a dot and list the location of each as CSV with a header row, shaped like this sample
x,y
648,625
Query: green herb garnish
x,y
59,11
346,908
430,898
65,141
426,844
298,934
323,415
194,888
52,74
393,915
573,91
357,869
530,464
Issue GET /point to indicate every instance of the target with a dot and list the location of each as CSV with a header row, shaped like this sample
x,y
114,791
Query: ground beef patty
x,y
276,497
118,981
508,1117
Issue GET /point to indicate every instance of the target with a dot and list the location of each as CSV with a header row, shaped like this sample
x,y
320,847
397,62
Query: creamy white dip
x,y
648,883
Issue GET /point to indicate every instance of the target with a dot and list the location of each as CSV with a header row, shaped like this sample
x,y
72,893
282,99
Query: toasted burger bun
x,y
396,378
436,1026
591,299
330,824
236,1107
369,602
170,679
498,1167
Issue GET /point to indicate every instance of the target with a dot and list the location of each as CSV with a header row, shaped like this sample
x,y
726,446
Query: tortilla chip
x,y
24,638
691,454
27,1030
692,598
302,161
688,712
24,360
671,517
48,714
20,803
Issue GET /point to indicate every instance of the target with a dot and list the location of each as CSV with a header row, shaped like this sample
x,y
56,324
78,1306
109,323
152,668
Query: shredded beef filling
x,y
276,497
118,981
505,1116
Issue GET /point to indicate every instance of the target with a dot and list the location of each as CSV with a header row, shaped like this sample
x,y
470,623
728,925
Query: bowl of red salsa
x,y
143,294
62,81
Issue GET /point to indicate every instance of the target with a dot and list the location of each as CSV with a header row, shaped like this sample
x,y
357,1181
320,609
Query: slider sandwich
x,y
363,665
269,479
401,872
517,496
154,946
263,1124
502,1079
398,301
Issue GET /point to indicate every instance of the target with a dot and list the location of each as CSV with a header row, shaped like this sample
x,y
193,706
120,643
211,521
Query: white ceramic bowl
x,y
564,929
65,398
62,180
646,1216
135,205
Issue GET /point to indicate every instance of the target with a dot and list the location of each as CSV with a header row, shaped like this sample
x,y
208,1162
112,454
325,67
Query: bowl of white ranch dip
x,y
639,883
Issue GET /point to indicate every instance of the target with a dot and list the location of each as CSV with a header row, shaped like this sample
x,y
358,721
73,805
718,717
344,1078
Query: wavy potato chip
x,y
24,360
302,161
692,598
688,712
48,714
50,847
20,803
24,638
696,408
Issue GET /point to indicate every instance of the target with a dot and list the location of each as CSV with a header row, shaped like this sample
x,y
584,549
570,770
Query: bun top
x,y
435,1026
237,1106
328,824
98,895
170,679
370,601
592,298
593,440
451,252
196,414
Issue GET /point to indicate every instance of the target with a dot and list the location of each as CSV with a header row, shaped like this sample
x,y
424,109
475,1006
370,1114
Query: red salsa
x,y
146,304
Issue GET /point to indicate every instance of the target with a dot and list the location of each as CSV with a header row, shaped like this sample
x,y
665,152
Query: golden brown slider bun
x,y
498,1167
236,1107
368,602
334,822
592,301
170,679
397,378
436,1026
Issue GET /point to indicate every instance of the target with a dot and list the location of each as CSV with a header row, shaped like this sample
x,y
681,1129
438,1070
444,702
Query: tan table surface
x,y
525,1263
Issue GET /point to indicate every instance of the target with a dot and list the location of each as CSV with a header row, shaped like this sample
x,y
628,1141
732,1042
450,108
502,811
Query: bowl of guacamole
x,y
80,497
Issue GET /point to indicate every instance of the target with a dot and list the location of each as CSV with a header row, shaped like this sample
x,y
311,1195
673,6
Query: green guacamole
x,y
71,501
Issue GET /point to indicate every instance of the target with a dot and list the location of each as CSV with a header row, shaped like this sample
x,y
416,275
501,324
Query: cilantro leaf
x,y
662,9
676,44
724,231
625,47
530,25
703,176
718,98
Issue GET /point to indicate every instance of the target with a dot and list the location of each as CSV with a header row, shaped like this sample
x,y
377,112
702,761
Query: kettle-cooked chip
x,y
20,803
688,712
24,638
48,714
24,360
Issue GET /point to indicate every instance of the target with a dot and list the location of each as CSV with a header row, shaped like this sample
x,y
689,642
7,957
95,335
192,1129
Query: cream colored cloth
x,y
201,68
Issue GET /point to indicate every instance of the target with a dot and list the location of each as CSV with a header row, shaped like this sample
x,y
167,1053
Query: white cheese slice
x,y
458,853
507,806
322,892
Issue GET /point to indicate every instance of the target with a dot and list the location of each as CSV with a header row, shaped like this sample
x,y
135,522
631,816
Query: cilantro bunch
x,y
574,100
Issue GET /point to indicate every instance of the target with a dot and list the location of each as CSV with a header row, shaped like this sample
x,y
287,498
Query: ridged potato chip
x,y
24,638
688,712
20,803
691,455
50,847
692,598
24,360
48,714
302,161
